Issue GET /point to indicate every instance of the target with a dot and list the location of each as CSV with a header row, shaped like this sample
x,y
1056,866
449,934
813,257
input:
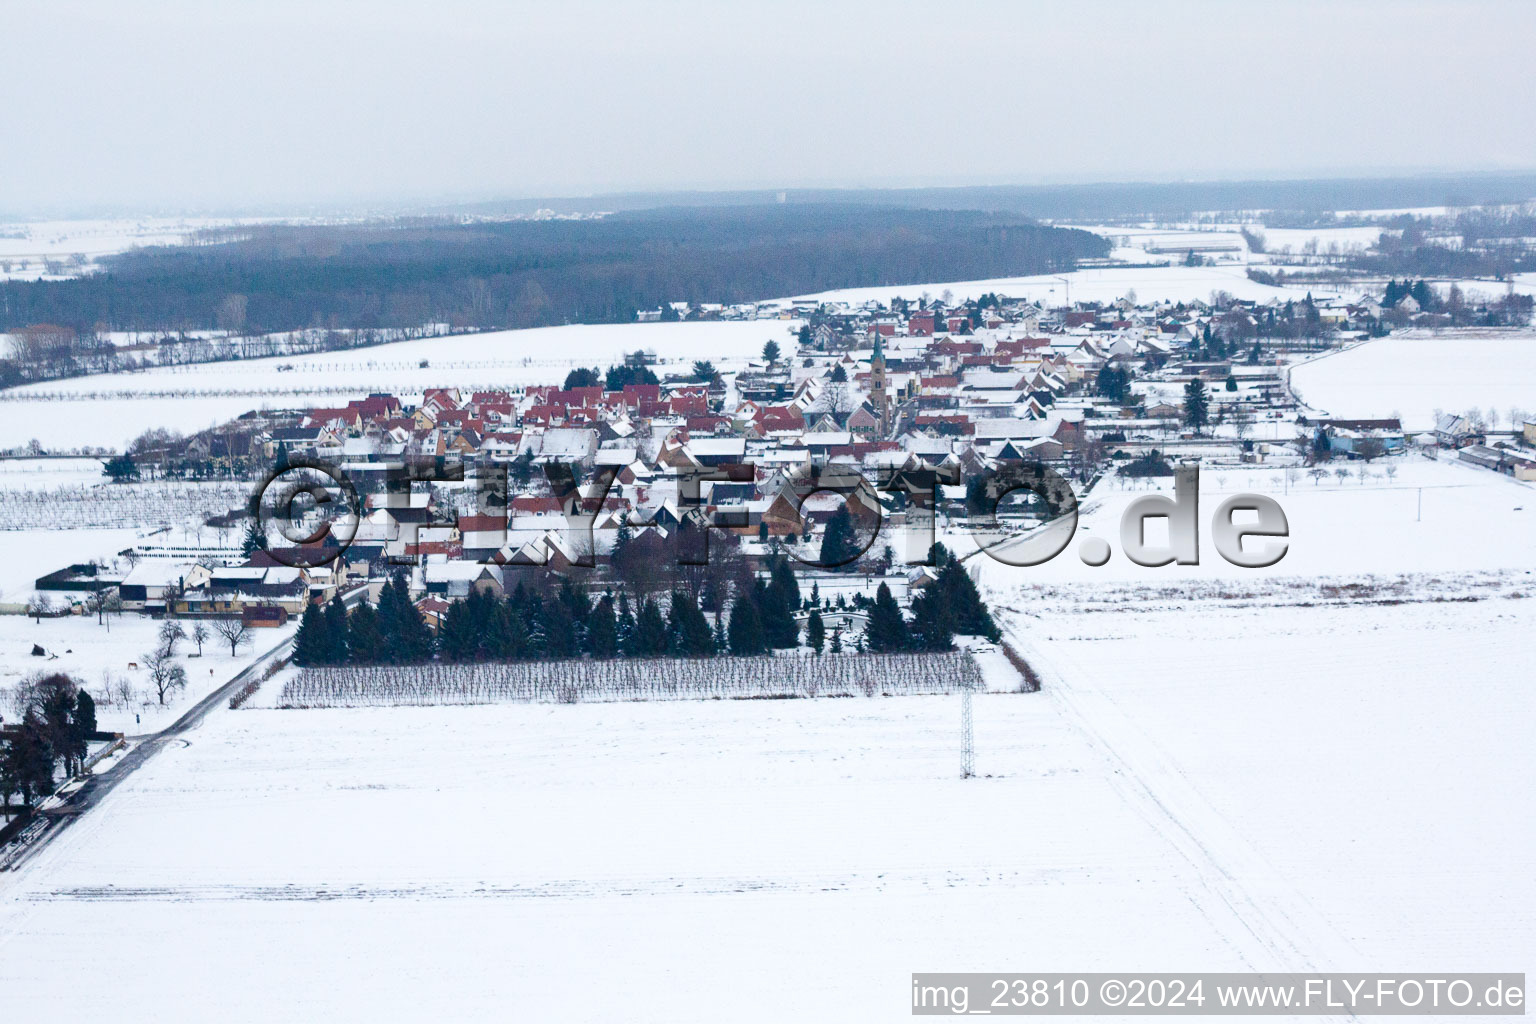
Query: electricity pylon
x,y
967,735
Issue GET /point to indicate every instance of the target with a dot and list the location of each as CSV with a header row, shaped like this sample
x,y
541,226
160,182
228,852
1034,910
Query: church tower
x,y
877,396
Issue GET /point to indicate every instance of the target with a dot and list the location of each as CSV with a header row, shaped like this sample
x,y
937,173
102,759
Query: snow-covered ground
x,y
105,657
26,245
1198,788
1320,766
1352,776
781,860
1158,273
1412,374
112,409
1142,239
1153,283
1433,517
47,474
1279,240
27,554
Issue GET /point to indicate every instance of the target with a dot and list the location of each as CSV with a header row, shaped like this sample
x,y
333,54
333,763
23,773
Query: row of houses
x,y
561,476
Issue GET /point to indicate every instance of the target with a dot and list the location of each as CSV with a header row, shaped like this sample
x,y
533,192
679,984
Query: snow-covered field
x,y
1433,517
27,554
104,657
48,474
1279,240
714,860
26,245
1321,766
1199,788
1175,284
1412,374
1352,776
112,409
1161,275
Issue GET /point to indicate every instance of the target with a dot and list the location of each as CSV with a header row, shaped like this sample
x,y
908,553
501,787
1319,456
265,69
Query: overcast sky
x,y
171,106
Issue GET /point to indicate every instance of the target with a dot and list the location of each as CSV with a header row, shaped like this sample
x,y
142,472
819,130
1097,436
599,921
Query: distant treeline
x,y
533,273
1304,202
1468,243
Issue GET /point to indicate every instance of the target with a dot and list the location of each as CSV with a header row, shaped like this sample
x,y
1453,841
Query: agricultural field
x,y
1179,794
1408,515
1150,283
27,554
109,659
1412,374
642,853
1156,276
97,503
1348,771
110,410
31,250
567,682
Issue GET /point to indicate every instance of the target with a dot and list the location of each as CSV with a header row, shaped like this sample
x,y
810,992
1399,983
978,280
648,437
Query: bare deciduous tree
x,y
165,674
234,631
171,632
1370,448
38,606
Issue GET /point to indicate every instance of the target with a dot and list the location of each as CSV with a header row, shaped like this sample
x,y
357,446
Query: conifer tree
x,y
745,633
514,641
967,610
815,631
650,636
602,631
455,636
887,630
1424,296
777,603
689,635
839,544
579,606
364,641
255,538
625,627
1197,404
932,626
85,715
406,639
336,631
538,626
560,634
312,643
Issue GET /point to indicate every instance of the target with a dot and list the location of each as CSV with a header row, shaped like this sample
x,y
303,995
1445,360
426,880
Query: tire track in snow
x,y
1287,930
894,882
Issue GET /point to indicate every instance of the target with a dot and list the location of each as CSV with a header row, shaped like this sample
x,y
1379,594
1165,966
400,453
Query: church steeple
x,y
877,395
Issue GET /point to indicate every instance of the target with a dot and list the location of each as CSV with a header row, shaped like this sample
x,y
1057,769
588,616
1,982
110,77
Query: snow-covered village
x,y
489,589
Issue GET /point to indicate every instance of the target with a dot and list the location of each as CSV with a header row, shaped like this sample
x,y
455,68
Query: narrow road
x,y
49,824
